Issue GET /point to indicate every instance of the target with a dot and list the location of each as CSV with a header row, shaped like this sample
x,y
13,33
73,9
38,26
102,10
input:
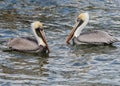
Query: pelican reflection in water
x,y
31,45
96,37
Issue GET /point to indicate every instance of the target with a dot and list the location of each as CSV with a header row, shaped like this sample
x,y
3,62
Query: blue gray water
x,y
66,65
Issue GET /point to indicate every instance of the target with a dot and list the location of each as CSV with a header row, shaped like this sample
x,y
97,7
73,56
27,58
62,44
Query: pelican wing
x,y
23,43
96,37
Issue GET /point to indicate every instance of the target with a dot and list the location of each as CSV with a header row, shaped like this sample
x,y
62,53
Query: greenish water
x,y
66,65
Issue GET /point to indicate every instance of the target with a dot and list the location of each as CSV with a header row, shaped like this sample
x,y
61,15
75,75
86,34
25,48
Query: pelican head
x,y
82,21
36,25
83,16
37,28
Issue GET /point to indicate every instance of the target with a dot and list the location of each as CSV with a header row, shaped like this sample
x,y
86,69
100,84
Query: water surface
x,y
66,65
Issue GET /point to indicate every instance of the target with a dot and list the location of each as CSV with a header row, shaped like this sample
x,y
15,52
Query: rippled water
x,y
66,65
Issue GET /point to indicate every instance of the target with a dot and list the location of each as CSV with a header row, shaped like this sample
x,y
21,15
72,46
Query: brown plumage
x,y
91,37
27,44
95,37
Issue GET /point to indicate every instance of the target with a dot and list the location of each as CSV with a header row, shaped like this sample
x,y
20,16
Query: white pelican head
x,y
37,28
82,21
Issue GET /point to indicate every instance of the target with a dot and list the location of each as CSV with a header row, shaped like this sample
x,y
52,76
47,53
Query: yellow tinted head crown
x,y
37,24
83,16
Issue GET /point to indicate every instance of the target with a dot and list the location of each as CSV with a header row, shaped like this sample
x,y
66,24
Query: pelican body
x,y
96,37
31,45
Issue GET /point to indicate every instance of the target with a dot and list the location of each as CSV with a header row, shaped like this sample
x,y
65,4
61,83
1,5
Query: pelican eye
x,y
38,31
41,29
78,20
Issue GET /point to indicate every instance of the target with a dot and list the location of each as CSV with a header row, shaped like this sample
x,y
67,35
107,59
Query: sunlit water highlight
x,y
66,65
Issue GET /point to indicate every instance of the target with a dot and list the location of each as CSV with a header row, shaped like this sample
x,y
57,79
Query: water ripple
x,y
66,65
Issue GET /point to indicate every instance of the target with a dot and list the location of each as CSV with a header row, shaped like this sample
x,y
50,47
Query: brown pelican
x,y
30,45
92,37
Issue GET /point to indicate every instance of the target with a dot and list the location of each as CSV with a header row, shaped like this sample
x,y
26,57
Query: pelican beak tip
x,y
67,41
